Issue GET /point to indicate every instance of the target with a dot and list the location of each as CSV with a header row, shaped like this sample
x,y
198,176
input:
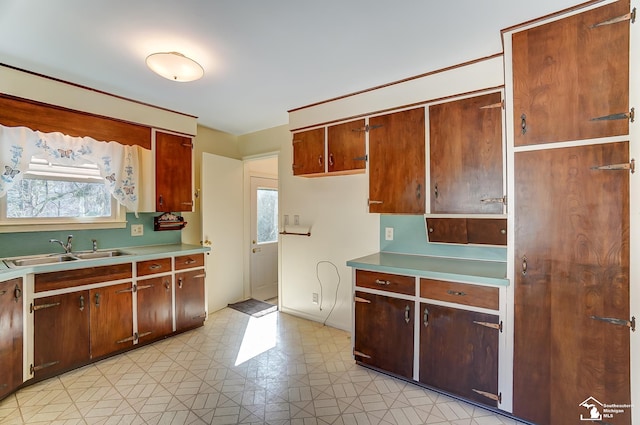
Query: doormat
x,y
254,308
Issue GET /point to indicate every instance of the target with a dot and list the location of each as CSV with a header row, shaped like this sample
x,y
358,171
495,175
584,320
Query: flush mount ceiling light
x,y
175,66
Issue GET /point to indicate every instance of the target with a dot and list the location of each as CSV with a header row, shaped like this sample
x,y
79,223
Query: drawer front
x,y
160,265
83,276
460,293
386,282
189,261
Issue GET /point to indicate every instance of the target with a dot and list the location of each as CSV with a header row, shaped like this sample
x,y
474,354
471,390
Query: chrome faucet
x,y
67,246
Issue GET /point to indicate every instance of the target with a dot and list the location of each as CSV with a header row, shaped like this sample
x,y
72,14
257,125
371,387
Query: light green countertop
x,y
463,270
137,253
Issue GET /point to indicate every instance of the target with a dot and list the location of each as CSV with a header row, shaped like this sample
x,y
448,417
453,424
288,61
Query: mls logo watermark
x,y
596,411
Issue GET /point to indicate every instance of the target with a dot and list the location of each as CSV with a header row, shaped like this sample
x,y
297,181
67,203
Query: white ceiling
x,y
261,57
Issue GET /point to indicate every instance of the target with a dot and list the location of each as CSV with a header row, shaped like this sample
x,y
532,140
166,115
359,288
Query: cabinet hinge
x,y
631,17
187,145
361,300
631,166
494,105
631,116
42,306
361,158
33,368
495,397
361,354
496,326
631,324
500,200
131,338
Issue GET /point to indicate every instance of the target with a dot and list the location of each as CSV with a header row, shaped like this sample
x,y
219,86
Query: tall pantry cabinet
x,y
567,80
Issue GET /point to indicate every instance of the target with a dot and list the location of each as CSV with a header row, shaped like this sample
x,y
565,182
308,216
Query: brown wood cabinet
x,y
346,147
570,75
190,300
572,318
477,231
154,300
397,162
308,152
61,333
466,156
384,333
11,331
111,319
459,352
174,185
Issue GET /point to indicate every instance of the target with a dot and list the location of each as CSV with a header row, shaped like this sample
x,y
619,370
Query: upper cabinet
x,y
466,156
343,151
397,162
571,77
174,178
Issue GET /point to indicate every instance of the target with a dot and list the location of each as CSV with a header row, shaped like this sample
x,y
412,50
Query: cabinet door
x,y
154,308
190,301
569,72
572,267
173,172
61,333
10,335
308,152
347,147
459,353
111,319
466,157
384,333
397,162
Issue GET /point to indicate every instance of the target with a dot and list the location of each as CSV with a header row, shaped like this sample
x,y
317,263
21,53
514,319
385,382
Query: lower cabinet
x,y
384,333
11,332
154,308
61,333
459,352
190,305
111,319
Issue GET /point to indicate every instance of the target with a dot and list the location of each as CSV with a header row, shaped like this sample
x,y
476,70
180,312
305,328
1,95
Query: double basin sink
x,y
36,260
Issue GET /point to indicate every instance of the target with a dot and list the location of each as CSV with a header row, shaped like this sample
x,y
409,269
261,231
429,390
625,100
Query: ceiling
x,y
261,58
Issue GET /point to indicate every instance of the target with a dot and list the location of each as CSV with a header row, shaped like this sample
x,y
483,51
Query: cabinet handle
x,y
81,302
155,266
97,297
160,200
407,314
524,265
456,293
383,282
374,202
3,292
167,285
425,316
188,203
523,124
180,282
189,261
17,293
436,193
419,191
330,160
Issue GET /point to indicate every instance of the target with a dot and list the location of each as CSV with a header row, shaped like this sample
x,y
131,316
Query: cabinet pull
x,y
362,300
370,202
189,261
524,265
155,266
495,397
383,282
627,17
200,276
456,293
320,160
167,285
160,200
436,193
631,324
407,314
17,293
425,316
496,326
631,166
180,282
33,368
3,292
43,306
97,299
523,124
419,191
81,302
361,354
330,160
631,115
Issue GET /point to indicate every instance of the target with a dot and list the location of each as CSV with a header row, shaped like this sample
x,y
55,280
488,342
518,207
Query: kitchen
x,y
334,207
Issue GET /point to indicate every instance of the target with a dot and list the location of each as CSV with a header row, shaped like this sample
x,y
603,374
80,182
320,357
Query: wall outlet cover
x,y
137,230
388,233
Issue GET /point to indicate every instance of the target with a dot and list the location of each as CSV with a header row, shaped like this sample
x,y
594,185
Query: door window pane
x,y
267,213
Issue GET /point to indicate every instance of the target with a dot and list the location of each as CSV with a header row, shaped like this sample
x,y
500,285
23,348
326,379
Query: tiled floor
x,y
277,369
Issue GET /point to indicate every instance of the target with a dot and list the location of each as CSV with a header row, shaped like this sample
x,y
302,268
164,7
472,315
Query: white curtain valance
x,y
118,164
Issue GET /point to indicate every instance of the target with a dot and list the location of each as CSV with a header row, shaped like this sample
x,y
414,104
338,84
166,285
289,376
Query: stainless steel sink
x,y
36,260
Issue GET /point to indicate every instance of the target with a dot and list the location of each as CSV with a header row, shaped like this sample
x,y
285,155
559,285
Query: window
x,y
59,194
267,213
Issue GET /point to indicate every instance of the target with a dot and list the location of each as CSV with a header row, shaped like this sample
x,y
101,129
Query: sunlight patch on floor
x,y
259,336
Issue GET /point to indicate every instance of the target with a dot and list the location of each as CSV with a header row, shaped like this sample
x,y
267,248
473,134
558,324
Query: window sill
x,y
35,227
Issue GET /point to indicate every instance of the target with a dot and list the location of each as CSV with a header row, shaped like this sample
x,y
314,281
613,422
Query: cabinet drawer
x,y
160,265
189,261
79,277
386,282
460,293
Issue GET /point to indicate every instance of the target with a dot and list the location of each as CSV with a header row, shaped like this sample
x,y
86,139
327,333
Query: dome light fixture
x,y
175,66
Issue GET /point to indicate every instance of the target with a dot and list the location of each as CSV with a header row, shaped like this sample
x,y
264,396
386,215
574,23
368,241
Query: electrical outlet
x,y
314,298
388,233
137,230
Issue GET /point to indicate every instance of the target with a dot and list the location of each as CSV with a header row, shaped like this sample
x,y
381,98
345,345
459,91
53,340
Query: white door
x,y
222,225
264,238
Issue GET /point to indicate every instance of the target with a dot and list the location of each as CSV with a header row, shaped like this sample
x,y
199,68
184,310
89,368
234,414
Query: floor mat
x,y
254,308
